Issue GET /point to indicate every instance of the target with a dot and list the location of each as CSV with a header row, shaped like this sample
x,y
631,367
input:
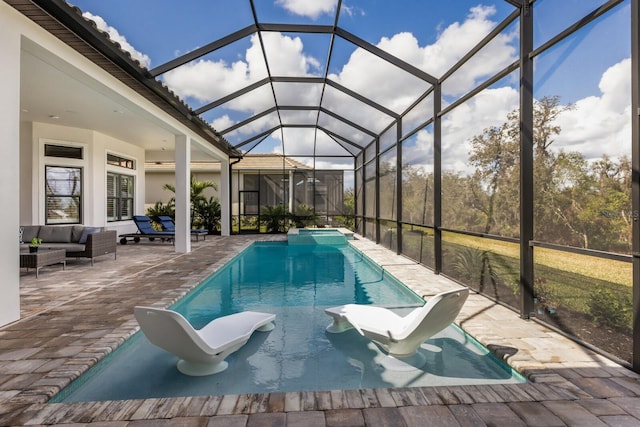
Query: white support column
x,y
183,194
9,187
291,189
225,198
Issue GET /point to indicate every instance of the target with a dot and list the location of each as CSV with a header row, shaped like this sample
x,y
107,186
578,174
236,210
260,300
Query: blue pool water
x,y
296,283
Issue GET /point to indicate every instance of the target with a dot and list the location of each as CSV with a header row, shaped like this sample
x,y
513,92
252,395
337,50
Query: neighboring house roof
x,y
67,23
248,162
268,161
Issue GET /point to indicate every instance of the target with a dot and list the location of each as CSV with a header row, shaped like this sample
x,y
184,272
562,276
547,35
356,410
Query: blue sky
x,y
588,69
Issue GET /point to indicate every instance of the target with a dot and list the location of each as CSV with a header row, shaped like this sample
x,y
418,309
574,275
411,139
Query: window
x,y
63,189
114,160
119,197
63,151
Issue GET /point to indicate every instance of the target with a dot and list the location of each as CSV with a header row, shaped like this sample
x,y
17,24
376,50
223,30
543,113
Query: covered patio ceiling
x,y
313,82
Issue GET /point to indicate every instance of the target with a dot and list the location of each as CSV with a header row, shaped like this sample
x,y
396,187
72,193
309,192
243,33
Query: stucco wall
x,y
9,186
96,146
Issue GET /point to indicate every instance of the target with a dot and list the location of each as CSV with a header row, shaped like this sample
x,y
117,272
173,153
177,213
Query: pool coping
x,y
47,349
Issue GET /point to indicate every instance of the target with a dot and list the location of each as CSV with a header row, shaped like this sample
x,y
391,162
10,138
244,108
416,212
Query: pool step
x,y
319,236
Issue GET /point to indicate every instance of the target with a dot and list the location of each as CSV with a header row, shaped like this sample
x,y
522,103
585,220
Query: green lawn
x,y
596,268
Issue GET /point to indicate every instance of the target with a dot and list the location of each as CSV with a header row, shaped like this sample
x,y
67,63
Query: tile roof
x,y
248,162
269,161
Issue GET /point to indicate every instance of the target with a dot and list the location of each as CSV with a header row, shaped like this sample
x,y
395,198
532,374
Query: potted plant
x,y
35,242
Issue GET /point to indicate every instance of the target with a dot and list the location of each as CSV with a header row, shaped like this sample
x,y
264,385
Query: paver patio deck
x,y
73,318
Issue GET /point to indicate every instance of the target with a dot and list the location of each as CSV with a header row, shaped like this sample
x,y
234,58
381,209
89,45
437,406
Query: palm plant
x,y
209,212
275,218
196,193
161,209
305,216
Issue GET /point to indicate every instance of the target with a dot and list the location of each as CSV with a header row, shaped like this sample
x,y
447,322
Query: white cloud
x,y
222,123
599,121
488,108
598,125
601,124
286,55
119,38
206,80
380,81
457,39
396,90
453,43
312,9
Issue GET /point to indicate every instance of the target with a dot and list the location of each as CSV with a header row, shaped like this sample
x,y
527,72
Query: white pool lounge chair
x,y
399,336
202,351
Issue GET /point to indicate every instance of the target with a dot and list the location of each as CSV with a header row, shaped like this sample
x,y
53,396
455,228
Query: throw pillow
x,y
29,232
21,231
86,232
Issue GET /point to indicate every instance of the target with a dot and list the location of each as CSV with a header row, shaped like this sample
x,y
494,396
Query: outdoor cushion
x,y
50,234
76,232
29,232
86,232
69,247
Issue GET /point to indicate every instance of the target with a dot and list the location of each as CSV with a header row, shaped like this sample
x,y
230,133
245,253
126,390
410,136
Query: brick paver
x,y
71,319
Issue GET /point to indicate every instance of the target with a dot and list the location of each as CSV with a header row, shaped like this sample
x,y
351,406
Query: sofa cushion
x,y
29,232
51,234
86,232
76,233
69,247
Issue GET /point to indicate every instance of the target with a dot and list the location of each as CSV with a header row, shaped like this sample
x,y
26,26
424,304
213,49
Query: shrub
x,y
305,216
208,213
275,218
608,309
160,209
473,265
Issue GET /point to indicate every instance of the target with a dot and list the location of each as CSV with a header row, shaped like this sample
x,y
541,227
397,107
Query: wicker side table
x,y
43,258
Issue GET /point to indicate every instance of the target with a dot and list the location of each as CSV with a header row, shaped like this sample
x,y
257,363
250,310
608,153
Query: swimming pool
x,y
296,283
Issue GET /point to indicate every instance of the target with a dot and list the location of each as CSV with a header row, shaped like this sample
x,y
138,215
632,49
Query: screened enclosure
x,y
499,149
312,197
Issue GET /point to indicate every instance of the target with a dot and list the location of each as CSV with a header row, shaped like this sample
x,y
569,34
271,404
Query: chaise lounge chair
x,y
168,225
201,352
145,229
399,336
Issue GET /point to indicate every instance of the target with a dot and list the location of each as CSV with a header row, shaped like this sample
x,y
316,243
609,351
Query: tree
x,y
417,195
347,219
494,153
387,187
457,193
599,208
576,202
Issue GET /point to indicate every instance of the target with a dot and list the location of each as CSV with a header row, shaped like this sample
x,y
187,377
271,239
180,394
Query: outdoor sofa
x,y
78,241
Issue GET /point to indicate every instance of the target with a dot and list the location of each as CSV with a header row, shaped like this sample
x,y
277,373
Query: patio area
x,y
71,319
